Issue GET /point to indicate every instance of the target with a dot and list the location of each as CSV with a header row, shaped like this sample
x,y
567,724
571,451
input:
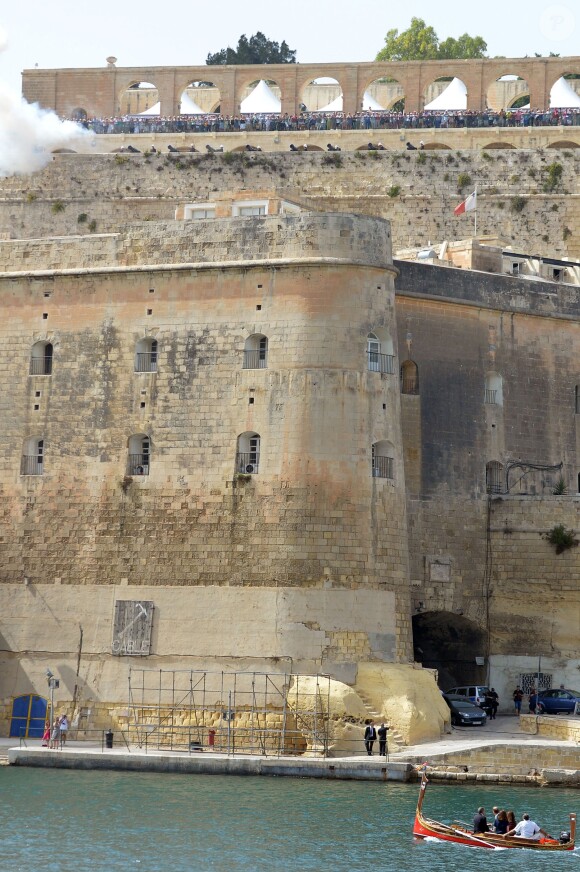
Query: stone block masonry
x,y
415,191
310,521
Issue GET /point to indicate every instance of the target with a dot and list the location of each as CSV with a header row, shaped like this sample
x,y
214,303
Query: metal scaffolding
x,y
261,713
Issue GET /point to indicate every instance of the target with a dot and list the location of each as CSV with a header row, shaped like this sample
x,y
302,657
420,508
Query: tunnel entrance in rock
x,y
453,645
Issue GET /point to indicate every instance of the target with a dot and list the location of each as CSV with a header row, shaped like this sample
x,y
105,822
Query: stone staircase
x,y
394,738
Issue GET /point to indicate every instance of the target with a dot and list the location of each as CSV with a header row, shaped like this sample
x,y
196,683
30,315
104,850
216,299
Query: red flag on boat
x,y
467,206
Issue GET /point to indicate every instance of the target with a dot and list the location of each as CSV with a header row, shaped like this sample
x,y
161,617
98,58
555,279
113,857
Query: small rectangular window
x,y
200,214
248,211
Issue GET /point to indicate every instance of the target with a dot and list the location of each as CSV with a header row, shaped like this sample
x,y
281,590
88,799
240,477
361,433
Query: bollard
x,y
109,738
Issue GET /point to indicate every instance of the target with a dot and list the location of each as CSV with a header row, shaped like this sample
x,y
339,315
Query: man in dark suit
x,y
382,734
370,737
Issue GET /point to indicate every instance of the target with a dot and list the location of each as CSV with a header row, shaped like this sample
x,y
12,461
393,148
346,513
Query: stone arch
x,y
315,94
63,151
388,92
136,97
449,642
383,459
245,86
436,146
139,454
496,145
248,453
437,87
564,143
79,114
204,93
409,377
571,75
507,89
380,351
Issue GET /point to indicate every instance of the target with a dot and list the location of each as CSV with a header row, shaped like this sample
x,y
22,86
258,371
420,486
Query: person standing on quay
x,y
382,734
370,737
63,728
518,695
55,735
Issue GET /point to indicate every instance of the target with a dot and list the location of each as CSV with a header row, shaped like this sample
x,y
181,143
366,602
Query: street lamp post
x,y
52,684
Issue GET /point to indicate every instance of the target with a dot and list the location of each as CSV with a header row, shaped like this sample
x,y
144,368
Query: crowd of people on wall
x,y
383,120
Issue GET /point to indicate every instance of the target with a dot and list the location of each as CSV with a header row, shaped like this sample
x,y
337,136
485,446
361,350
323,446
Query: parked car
x,y
463,712
473,692
551,702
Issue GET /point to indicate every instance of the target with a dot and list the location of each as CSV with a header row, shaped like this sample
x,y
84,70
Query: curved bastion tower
x,y
201,459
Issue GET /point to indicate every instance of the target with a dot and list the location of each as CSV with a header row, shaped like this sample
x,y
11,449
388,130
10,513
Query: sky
x,y
77,33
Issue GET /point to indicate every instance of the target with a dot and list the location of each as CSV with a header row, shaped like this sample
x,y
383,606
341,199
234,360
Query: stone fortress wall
x,y
100,92
416,192
303,563
448,549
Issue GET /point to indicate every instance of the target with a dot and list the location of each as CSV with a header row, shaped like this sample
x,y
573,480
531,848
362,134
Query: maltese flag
x,y
467,206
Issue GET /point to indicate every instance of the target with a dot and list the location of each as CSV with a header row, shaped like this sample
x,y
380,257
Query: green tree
x,y
258,49
421,43
463,47
418,42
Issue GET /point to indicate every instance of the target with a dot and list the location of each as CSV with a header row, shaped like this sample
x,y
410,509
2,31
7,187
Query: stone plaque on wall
x,y
439,571
132,628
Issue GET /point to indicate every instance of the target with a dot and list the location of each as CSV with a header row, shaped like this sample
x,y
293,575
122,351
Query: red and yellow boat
x,y
457,832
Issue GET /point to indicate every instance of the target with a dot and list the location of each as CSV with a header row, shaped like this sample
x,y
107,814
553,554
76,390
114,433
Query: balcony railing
x,y
41,365
146,361
138,464
255,360
491,397
381,362
31,464
383,467
410,384
248,462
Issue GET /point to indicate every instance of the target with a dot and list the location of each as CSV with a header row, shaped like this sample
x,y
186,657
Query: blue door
x,y
28,716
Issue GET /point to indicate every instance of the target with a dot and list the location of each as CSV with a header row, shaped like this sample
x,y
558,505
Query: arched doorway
x,y
453,645
28,716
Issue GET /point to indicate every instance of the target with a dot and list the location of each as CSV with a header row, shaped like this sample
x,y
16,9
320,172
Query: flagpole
x,y
475,212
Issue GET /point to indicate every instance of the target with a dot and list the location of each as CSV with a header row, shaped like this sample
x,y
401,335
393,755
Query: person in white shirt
x,y
527,829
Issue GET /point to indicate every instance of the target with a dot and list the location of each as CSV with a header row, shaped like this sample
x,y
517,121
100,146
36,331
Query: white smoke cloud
x,y
28,133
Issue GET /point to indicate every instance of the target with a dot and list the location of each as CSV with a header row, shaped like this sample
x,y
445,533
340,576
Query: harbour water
x,y
58,820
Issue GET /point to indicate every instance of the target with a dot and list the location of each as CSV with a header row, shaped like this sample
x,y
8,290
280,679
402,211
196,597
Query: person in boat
x,y
527,829
501,822
480,824
512,822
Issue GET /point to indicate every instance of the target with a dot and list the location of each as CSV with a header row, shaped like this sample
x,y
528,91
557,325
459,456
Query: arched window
x,y
139,458
409,377
256,352
41,359
494,389
32,462
382,460
380,353
248,453
494,478
146,355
